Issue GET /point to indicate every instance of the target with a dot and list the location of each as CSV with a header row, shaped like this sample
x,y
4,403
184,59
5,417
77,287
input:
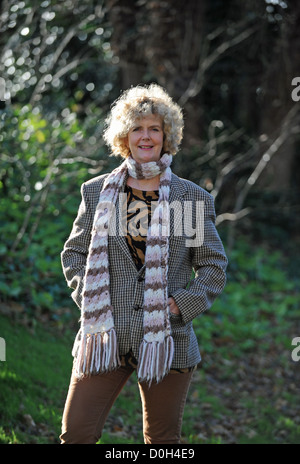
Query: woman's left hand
x,y
173,307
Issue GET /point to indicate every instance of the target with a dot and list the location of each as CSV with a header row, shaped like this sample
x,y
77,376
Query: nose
x,y
145,134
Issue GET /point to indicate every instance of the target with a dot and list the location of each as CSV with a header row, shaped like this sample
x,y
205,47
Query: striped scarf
x,y
98,347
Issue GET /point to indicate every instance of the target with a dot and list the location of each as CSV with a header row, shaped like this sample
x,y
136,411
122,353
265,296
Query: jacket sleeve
x,y
209,263
75,251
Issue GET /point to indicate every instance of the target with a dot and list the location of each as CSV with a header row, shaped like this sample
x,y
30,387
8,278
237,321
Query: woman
x,y
139,234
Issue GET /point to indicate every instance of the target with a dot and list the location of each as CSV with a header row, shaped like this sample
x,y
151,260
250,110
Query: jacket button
x,y
140,279
136,307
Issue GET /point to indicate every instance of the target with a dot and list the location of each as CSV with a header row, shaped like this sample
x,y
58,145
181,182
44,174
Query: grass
x,y
245,391
34,379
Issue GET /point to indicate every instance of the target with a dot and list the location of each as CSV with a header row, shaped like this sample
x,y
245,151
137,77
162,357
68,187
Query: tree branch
x,y
196,83
287,127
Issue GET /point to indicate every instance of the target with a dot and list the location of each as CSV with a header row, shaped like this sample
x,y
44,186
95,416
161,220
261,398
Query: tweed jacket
x,y
193,292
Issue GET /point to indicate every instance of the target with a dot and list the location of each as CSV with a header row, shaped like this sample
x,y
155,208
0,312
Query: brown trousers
x,y
90,400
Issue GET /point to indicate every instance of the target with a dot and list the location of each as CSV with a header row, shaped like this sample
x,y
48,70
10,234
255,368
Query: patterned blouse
x,y
139,204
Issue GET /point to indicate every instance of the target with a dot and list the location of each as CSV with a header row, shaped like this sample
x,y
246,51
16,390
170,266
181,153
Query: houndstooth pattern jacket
x,y
192,295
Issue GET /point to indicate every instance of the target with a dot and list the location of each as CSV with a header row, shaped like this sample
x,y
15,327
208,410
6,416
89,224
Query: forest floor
x,y
249,397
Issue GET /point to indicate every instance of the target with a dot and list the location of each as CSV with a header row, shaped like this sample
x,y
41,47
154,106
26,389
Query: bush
x,y
42,168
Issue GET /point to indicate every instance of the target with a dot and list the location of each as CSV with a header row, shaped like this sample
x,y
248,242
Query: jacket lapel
x,y
177,189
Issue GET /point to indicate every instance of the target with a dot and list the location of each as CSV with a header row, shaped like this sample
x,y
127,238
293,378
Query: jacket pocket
x,y
181,336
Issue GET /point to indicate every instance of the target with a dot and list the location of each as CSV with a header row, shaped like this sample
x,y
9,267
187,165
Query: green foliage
x,y
50,135
40,196
34,382
258,299
45,47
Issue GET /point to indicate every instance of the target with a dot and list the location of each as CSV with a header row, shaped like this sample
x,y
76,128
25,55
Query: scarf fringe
x,y
155,359
97,353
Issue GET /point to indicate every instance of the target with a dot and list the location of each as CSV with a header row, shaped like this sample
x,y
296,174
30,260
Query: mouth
x,y
146,147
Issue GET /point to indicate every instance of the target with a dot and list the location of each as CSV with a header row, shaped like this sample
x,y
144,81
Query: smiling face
x,y
145,139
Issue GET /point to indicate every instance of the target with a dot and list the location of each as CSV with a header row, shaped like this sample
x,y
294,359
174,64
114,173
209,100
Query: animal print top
x,y
138,220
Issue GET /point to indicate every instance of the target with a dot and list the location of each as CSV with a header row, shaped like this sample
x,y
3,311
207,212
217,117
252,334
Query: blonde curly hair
x,y
138,102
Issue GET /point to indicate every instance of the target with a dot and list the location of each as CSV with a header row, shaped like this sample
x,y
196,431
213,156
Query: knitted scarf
x,y
98,347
